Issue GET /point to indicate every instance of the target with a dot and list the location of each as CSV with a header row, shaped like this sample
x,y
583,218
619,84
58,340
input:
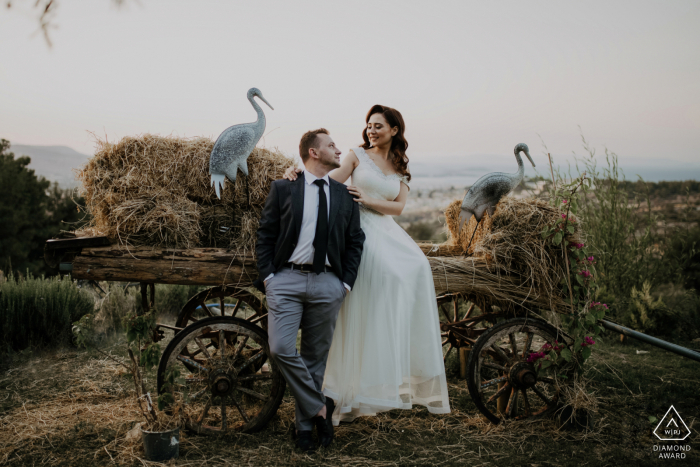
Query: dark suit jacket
x,y
280,224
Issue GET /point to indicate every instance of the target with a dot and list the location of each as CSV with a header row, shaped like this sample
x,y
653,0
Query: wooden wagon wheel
x,y
219,387
248,306
459,327
500,379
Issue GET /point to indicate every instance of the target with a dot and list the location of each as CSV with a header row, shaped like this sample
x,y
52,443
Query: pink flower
x,y
563,201
579,245
588,340
563,216
585,273
590,258
534,356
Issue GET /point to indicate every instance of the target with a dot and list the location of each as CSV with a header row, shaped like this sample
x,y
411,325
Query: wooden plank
x,y
164,271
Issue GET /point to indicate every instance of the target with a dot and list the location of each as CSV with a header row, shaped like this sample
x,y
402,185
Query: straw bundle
x,y
510,262
154,190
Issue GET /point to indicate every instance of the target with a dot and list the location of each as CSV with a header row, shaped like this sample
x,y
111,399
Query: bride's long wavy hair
x,y
398,142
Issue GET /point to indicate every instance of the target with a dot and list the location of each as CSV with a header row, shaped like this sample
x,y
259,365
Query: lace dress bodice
x,y
375,183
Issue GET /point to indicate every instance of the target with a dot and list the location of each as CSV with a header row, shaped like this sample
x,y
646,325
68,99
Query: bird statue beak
x,y
528,156
268,104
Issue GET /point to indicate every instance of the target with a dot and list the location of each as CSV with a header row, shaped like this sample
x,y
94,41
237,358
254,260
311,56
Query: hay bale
x,y
154,190
508,249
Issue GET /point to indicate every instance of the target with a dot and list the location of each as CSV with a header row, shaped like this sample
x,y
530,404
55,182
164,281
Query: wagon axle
x,y
522,375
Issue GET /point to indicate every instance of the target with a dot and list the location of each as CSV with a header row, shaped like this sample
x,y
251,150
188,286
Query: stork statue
x,y
485,194
235,144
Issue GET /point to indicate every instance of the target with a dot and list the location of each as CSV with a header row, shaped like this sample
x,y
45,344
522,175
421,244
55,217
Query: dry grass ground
x,y
76,408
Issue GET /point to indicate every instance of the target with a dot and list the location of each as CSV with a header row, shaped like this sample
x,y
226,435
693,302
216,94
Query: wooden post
x,y
463,358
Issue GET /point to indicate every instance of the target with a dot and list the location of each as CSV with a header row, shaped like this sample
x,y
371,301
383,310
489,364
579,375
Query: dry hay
x,y
509,263
76,409
154,190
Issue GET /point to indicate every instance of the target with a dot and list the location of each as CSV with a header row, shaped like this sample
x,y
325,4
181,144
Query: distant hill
x,y
56,163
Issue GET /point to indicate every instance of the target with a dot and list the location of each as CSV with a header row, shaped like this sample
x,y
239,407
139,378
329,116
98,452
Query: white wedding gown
x,y
386,351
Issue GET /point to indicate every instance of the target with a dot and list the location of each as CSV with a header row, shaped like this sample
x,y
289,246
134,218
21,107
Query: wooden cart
x,y
219,362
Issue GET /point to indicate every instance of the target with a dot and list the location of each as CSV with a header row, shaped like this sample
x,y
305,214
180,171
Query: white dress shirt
x,y
304,251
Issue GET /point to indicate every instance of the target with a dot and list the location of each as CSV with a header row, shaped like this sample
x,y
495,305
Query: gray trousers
x,y
310,302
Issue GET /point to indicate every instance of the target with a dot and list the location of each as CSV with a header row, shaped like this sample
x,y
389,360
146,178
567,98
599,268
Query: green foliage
x,y
645,311
684,248
578,286
170,299
636,244
166,399
32,211
38,312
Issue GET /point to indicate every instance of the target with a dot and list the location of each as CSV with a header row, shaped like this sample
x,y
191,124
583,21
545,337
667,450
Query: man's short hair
x,y
310,140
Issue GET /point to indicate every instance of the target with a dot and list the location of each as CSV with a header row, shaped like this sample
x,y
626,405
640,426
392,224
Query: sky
x,y
470,77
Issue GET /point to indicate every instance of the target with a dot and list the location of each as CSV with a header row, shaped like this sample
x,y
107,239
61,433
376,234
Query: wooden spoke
x,y
528,342
201,346
491,382
500,392
206,309
235,307
197,352
513,344
223,413
204,412
494,366
239,347
255,320
195,364
198,393
255,377
456,308
445,341
447,353
528,412
257,395
222,344
250,361
541,395
222,306
499,352
469,311
512,402
241,410
447,317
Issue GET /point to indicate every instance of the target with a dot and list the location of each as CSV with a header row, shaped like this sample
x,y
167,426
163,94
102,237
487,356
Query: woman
x,y
386,351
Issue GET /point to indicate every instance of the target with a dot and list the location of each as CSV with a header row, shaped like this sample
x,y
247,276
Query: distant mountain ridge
x,y
55,163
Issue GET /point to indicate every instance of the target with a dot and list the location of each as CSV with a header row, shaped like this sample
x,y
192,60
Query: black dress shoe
x,y
324,426
304,441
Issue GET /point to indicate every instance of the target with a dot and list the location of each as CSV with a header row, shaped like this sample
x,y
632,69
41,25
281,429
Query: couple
x,y
335,264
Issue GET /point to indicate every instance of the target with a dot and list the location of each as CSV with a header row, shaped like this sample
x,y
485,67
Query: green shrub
x,y
641,261
38,312
171,298
121,302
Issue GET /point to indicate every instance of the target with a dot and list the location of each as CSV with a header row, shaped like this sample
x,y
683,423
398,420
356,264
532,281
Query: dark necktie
x,y
321,237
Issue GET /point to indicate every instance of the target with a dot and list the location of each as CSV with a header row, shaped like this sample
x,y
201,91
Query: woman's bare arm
x,y
391,208
347,167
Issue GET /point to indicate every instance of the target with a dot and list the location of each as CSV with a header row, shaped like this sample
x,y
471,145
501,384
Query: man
x,y
309,248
